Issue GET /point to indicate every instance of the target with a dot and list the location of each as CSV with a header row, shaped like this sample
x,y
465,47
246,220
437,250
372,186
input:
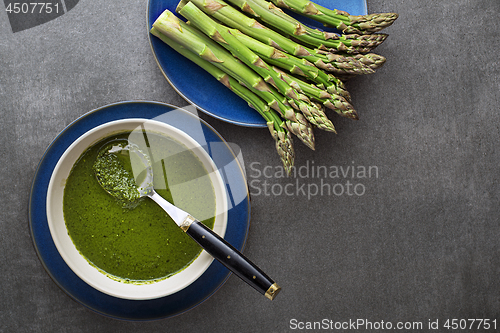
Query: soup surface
x,y
140,243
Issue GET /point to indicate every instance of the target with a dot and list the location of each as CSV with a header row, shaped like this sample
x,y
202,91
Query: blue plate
x,y
200,88
194,294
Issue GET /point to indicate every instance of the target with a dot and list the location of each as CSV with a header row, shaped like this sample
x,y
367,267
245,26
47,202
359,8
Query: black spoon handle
x,y
232,259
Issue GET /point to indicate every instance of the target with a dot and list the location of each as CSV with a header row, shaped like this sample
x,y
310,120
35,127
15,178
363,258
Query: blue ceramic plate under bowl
x,y
200,88
189,297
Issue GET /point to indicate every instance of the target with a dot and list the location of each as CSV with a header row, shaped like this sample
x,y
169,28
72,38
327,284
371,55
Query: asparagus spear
x,y
313,114
267,12
372,60
336,86
276,126
169,25
341,20
224,37
331,101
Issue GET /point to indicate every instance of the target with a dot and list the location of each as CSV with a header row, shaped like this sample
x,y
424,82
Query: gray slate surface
x,y
421,243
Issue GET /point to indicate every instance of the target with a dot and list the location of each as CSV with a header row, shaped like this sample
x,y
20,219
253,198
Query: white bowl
x,y
72,256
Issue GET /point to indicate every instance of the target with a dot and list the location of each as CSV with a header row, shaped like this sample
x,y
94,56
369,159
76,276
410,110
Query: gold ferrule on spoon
x,y
273,290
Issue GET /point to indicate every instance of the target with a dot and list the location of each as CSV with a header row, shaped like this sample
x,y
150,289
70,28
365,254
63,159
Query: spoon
x,y
111,172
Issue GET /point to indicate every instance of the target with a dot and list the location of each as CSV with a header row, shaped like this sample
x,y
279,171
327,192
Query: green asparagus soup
x,y
140,243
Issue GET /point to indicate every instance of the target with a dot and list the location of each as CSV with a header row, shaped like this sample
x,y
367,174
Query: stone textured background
x,y
422,242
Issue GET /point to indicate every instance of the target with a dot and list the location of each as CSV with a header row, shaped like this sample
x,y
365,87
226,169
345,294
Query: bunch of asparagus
x,y
288,72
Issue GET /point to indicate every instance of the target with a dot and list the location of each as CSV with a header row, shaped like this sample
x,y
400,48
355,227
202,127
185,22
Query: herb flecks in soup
x,y
114,172
142,243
